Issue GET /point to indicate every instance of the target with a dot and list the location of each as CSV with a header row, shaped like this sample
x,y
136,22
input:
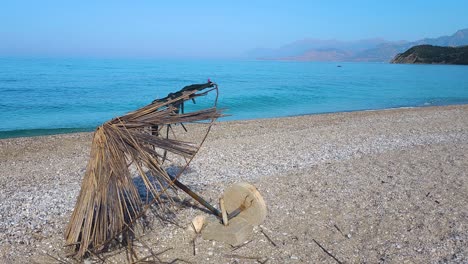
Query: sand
x,y
375,186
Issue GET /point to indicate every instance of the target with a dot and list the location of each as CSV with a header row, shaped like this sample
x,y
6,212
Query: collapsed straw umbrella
x,y
109,203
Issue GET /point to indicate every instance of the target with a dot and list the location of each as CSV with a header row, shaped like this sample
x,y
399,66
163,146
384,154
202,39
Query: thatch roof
x,y
109,202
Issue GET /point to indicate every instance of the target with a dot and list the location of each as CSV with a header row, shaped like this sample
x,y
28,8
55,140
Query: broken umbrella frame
x,y
180,107
109,203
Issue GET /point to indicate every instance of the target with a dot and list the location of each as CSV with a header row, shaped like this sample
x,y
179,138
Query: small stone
x,y
197,223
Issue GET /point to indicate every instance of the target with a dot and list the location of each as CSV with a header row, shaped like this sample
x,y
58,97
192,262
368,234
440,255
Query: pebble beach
x,y
388,186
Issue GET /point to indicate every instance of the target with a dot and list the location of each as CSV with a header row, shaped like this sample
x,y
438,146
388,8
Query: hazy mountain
x,y
380,53
386,52
378,50
329,54
460,38
301,47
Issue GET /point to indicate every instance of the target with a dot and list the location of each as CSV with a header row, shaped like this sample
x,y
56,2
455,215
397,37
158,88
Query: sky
x,y
211,29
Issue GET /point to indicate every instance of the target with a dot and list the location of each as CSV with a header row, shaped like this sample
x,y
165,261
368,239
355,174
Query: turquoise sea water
x,y
48,96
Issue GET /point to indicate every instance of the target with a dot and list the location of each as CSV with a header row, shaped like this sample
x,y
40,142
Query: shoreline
x,y
38,132
386,185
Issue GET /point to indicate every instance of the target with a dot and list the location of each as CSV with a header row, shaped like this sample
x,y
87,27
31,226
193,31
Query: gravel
x,y
374,186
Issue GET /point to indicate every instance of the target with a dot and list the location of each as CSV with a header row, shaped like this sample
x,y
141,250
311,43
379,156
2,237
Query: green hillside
x,y
428,54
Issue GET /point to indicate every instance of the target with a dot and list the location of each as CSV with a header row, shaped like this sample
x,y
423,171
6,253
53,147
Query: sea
x,y
42,96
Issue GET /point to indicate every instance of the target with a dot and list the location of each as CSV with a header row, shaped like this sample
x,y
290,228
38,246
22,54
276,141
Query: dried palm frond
x,y
109,202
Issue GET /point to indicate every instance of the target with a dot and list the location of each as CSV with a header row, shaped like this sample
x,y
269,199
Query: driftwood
x,y
109,203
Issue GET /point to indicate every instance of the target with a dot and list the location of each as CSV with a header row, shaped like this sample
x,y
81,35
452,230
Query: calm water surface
x,y
47,96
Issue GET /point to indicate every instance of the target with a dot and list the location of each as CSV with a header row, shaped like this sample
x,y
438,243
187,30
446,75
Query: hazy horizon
x,y
210,29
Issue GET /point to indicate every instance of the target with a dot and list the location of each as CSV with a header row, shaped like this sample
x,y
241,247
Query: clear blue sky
x,y
211,28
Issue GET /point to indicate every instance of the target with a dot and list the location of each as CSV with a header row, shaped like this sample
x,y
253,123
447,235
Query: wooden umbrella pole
x,y
197,197
203,202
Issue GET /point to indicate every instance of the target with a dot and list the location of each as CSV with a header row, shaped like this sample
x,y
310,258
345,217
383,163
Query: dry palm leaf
x,y
109,201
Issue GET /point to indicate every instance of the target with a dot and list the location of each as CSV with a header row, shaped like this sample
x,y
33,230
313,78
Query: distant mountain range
x,y
428,54
374,50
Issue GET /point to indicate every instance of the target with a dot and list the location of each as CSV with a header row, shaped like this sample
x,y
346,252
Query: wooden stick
x,y
326,251
236,248
339,230
194,246
241,257
223,211
269,239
